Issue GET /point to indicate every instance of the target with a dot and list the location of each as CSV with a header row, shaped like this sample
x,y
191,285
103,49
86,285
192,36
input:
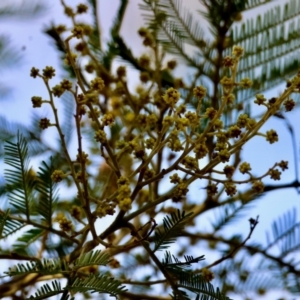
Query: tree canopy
x,y
114,206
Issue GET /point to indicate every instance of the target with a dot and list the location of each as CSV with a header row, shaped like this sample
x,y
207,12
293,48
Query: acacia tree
x,y
138,154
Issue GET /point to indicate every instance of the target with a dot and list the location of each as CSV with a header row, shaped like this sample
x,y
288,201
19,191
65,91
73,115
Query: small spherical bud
x,y
57,176
77,32
172,64
144,77
148,40
199,92
87,29
275,174
289,104
245,167
200,150
44,123
175,178
242,120
224,155
48,72
272,101
57,90
107,119
234,131
237,51
90,68
258,186
66,84
171,96
230,189
272,136
82,8
260,99
83,158
212,189
229,99
210,113
246,83
283,165
36,101
226,82
82,47
149,174
34,72
125,204
189,162
228,171
76,212
251,123
65,224
207,274
144,61
60,29
121,71
68,59
69,11
97,84
143,31
228,61
100,136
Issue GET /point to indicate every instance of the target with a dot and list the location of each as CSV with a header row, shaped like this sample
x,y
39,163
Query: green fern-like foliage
x,y
174,265
97,283
8,226
45,266
48,193
46,291
203,289
173,226
26,239
20,183
92,258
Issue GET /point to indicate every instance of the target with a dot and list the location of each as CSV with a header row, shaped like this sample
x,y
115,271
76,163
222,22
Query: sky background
x,y
37,50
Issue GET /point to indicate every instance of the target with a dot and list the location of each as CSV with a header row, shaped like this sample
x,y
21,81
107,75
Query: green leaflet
x,y
97,283
20,182
92,258
172,229
7,225
47,291
48,192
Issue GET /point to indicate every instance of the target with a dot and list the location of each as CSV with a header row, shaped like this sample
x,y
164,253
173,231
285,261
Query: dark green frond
x,y
198,285
19,180
48,193
46,291
7,225
45,267
27,238
172,229
174,265
97,283
92,258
